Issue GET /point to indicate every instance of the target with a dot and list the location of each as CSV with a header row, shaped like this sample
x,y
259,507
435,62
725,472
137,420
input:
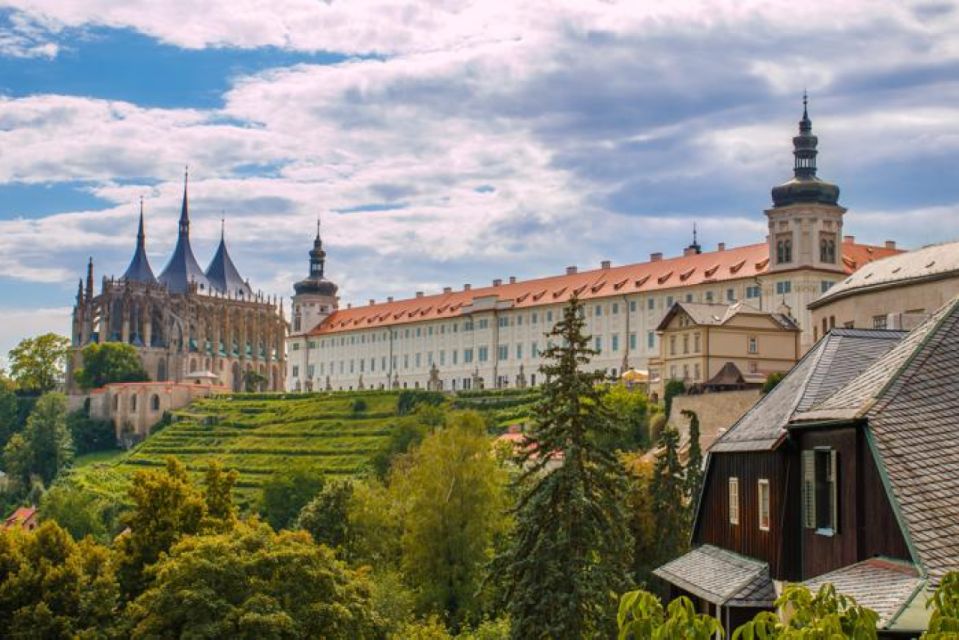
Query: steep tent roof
x,y
833,361
223,274
139,269
182,269
909,399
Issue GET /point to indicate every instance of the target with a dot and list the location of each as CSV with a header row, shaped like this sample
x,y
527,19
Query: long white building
x,y
492,336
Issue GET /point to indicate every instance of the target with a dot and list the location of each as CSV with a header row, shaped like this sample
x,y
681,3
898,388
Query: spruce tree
x,y
668,488
571,550
694,463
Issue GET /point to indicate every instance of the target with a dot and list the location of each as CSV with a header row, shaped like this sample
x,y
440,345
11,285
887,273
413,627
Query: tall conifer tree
x,y
571,549
669,491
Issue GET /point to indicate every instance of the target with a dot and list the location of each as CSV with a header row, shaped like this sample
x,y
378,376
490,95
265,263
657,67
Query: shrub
x,y
772,380
673,388
409,399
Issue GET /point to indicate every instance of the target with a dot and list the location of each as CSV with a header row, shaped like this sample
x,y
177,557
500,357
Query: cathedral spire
x,y
139,269
89,292
185,207
222,273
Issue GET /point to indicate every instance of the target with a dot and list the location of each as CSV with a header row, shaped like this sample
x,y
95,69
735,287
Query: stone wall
x,y
717,412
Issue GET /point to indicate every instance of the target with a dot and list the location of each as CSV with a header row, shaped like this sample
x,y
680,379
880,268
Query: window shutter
x,y
809,489
834,489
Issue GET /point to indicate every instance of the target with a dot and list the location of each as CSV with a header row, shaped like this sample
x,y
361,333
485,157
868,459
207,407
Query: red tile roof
x,y
673,273
19,517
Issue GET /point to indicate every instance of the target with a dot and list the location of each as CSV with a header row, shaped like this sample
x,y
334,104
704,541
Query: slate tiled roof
x,y
928,263
739,263
224,276
833,361
885,586
714,314
721,577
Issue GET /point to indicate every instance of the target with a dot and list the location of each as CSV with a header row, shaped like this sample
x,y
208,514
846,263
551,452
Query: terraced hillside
x,y
259,434
505,406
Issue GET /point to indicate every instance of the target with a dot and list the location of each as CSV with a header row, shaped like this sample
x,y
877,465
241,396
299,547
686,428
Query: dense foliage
x,y
109,362
286,492
43,448
571,546
672,389
772,380
37,364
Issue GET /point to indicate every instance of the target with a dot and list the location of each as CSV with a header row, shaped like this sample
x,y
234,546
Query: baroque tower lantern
x,y
315,297
805,221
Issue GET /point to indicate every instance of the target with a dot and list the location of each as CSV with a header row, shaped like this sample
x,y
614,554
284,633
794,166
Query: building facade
x,y
698,340
492,336
897,292
185,320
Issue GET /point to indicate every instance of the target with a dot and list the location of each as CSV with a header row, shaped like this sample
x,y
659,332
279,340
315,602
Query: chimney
x,y
467,287
419,294
372,302
497,282
605,264
656,257
890,244
389,298
512,279
849,239
570,270
447,289
722,246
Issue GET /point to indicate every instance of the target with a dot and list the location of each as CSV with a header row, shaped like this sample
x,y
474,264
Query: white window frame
x,y
763,498
734,500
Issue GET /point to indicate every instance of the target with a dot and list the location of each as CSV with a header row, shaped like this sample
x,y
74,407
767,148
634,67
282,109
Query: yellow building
x,y
723,345
897,292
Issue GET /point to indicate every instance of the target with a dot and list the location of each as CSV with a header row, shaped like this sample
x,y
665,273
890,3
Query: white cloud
x,y
19,323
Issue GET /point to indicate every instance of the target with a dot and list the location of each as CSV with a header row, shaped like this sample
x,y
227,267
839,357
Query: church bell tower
x,y
315,297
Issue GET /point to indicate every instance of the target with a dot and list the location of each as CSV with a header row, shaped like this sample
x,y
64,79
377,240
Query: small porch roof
x,y
722,577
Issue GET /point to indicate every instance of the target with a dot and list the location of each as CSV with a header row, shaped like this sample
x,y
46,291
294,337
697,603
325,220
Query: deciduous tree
x,y
45,446
286,492
327,516
572,546
36,364
253,583
452,493
109,362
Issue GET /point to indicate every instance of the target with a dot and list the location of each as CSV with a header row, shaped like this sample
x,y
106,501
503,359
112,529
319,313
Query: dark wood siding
x,y
713,526
823,553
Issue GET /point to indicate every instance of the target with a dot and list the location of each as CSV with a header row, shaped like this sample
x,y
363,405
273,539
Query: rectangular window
x,y
650,339
672,345
709,296
695,343
734,501
534,318
503,352
879,322
669,301
442,357
519,352
549,316
615,307
764,505
534,350
632,341
753,292
296,371
783,287
753,344
598,344
455,352
614,342
296,346
483,354
689,297
825,285
632,305
519,321
429,358
484,323
467,355
417,361
820,490
599,310
406,361
696,372
651,304
731,295
504,321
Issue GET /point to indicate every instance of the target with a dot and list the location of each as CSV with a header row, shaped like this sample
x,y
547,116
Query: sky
x,y
452,141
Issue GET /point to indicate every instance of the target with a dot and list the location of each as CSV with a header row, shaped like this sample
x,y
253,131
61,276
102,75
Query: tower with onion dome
x,y
315,296
805,221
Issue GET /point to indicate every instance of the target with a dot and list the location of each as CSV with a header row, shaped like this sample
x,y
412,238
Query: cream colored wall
x,y
129,407
859,310
346,346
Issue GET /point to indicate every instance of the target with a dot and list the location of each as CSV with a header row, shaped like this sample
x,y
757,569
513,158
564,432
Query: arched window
x,y
827,250
788,250
133,402
154,402
116,402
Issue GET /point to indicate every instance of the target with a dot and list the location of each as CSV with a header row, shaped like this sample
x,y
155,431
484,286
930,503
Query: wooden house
x,y
847,472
